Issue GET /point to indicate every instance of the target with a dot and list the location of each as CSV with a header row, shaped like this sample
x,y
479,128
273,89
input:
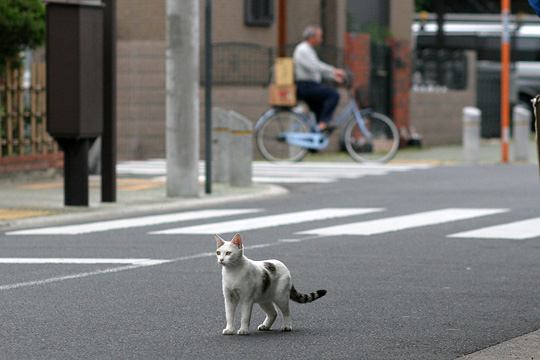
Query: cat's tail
x,y
306,298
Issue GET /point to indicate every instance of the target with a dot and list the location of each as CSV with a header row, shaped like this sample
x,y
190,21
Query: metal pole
x,y
108,137
208,95
75,171
505,80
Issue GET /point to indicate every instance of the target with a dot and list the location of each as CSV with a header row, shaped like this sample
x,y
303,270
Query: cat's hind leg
x,y
283,305
271,315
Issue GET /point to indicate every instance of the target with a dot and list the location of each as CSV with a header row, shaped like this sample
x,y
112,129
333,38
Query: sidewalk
x,y
40,200
34,201
490,153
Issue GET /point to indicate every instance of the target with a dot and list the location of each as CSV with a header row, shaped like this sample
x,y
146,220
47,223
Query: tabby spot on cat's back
x,y
246,282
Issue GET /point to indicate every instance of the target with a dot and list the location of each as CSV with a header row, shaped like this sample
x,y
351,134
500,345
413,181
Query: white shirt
x,y
307,66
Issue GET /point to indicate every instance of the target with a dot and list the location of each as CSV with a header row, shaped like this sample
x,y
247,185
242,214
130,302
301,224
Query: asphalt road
x,y
413,293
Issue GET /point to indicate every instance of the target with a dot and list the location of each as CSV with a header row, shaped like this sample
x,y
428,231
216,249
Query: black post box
x,y
75,87
74,70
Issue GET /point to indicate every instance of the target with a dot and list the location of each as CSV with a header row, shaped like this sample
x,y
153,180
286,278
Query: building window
x,y
259,12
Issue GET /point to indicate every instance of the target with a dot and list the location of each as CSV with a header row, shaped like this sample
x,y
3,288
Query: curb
x,y
117,210
526,347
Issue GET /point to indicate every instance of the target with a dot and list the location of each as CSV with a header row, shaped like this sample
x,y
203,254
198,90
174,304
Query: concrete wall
x,y
140,20
437,115
301,13
401,15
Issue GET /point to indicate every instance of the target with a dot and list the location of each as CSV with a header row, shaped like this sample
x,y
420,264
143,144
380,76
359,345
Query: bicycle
x,y
288,133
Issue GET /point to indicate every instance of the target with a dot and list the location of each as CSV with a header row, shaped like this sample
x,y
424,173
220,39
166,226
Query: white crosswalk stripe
x,y
519,230
209,222
132,222
385,225
268,221
266,172
81,261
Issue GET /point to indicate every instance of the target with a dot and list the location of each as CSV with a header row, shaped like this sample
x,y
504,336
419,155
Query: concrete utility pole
x,y
182,84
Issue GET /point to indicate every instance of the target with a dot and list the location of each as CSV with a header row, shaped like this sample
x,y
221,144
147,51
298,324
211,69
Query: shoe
x,y
328,129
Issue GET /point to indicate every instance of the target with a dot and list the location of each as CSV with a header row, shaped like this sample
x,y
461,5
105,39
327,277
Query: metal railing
x,y
240,64
440,68
251,64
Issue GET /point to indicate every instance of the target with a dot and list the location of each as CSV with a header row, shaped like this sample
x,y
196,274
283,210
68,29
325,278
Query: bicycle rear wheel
x,y
379,147
271,141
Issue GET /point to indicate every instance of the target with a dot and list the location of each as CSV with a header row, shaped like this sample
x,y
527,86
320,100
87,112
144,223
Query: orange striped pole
x,y
505,80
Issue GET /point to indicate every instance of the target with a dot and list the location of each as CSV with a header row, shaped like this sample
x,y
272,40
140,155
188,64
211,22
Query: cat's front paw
x,y
228,331
286,328
263,327
243,332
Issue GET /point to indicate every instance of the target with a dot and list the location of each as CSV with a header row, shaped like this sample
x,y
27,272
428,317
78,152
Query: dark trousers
x,y
321,99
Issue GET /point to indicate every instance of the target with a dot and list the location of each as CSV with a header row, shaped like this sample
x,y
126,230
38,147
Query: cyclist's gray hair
x,y
310,31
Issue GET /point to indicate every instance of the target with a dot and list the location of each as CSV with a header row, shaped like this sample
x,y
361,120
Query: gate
x,y
381,78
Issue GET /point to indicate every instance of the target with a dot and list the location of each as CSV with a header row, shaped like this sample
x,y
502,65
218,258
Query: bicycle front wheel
x,y
378,145
271,140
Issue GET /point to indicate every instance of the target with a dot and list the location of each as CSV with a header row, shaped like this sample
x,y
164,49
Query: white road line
x,y
290,240
68,277
269,221
129,267
385,225
81,261
117,269
262,171
132,222
519,230
292,179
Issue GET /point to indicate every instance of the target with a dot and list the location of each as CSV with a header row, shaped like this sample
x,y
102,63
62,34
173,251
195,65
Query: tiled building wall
x,y
358,61
141,78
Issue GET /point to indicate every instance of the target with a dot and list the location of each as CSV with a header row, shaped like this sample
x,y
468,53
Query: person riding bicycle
x,y
309,71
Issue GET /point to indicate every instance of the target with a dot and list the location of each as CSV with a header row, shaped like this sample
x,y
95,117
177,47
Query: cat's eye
x,y
228,253
218,252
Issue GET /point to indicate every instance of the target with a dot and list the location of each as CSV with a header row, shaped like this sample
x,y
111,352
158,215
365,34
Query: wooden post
x,y
33,109
9,110
20,111
282,28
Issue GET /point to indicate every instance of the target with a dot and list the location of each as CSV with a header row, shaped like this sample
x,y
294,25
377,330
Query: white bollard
x,y
522,126
471,134
221,138
241,150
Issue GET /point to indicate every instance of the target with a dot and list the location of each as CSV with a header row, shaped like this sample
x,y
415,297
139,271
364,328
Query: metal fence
x,y
23,114
251,64
445,68
239,64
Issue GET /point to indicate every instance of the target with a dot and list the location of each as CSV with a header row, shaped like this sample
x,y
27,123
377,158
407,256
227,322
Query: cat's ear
x,y
237,240
219,240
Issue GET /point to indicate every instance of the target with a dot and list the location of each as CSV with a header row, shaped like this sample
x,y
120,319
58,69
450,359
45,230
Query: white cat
x,y
246,282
